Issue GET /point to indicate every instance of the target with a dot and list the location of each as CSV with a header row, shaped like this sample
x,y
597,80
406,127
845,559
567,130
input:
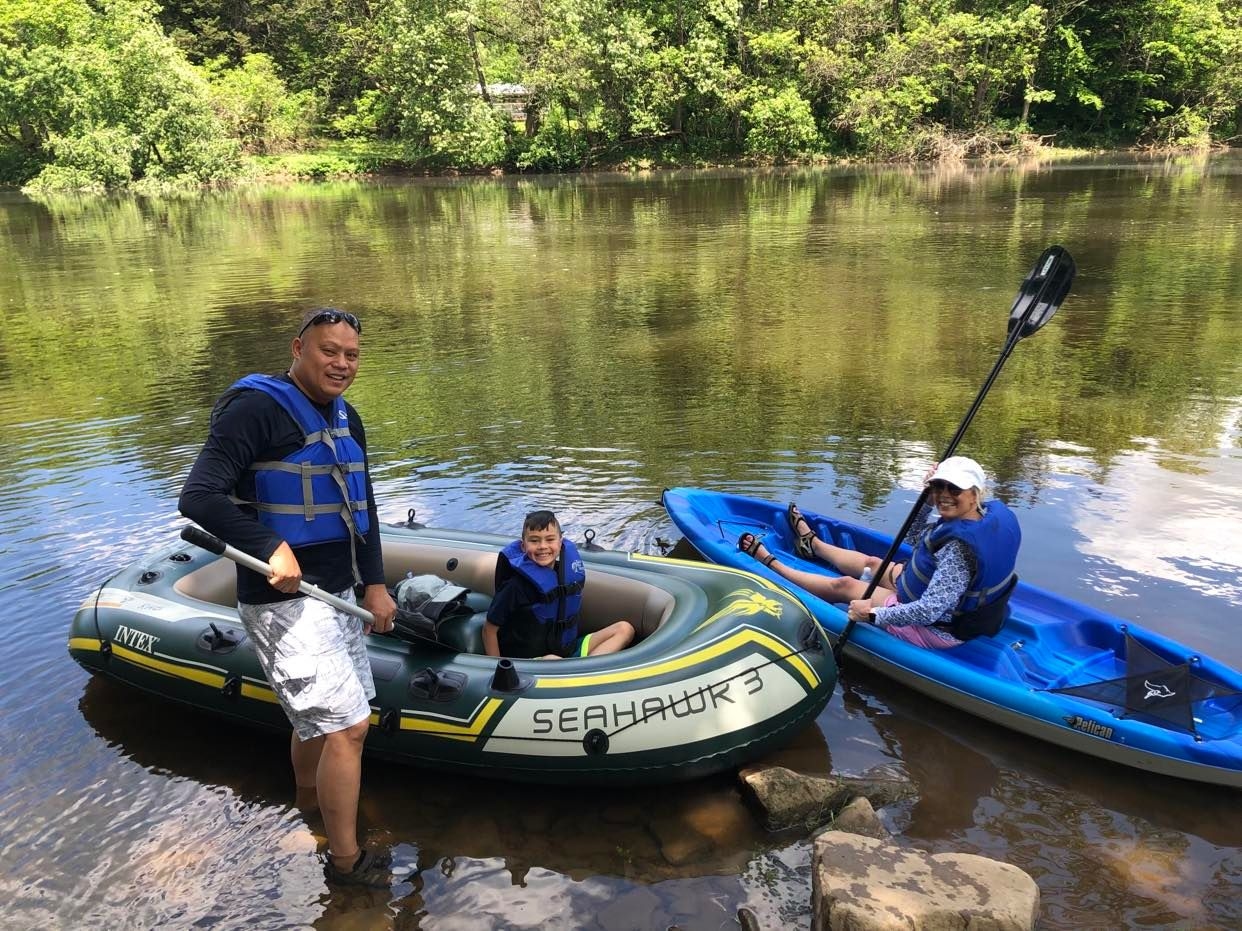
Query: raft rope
x,y
671,705
95,608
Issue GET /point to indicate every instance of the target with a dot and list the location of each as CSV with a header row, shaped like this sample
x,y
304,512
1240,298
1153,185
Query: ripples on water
x,y
583,344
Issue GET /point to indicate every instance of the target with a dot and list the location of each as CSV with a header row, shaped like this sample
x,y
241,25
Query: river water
x,y
581,344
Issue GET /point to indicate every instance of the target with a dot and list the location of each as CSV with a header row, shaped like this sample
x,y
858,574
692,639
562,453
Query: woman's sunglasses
x,y
940,485
332,317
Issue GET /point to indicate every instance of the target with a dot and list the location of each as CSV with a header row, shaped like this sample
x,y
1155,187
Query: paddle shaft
x,y
918,504
202,538
1051,263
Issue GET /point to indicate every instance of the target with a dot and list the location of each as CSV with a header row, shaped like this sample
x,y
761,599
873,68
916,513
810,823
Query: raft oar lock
x,y
437,685
506,678
220,640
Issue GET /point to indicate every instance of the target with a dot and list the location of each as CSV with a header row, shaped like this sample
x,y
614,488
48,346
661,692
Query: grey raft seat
x,y
463,632
605,599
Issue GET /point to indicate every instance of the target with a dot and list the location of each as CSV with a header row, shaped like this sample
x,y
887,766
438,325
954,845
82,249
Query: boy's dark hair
x,y
540,520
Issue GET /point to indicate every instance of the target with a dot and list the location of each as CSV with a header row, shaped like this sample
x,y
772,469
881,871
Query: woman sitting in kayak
x,y
956,583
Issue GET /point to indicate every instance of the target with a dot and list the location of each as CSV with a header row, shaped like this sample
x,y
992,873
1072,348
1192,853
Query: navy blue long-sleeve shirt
x,y
250,427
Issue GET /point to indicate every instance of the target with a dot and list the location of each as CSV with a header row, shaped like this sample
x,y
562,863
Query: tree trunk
x,y
478,64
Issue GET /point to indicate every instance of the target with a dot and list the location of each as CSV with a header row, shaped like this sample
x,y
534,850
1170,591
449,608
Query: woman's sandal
x,y
752,548
803,542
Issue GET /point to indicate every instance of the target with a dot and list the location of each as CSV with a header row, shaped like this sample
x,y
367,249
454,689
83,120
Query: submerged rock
x,y
864,884
788,799
859,817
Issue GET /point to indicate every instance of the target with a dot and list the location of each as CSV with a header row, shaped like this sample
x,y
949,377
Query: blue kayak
x,y
1057,670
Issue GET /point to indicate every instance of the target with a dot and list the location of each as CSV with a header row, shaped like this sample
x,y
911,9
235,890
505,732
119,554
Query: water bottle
x,y
866,574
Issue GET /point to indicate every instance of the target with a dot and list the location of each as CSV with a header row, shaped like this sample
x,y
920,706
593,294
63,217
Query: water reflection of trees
x,y
749,315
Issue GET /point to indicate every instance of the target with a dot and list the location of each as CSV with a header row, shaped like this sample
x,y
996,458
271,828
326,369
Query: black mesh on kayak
x,y
1153,688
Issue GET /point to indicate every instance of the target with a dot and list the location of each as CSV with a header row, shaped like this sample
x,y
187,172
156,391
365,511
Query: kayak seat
x,y
1044,668
995,657
1081,665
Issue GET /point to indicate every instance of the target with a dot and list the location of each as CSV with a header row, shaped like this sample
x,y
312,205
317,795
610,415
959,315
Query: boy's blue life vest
x,y
555,592
317,494
994,540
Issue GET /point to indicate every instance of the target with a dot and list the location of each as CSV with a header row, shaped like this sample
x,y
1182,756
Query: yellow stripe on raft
x,y
741,638
176,670
437,728
201,676
259,693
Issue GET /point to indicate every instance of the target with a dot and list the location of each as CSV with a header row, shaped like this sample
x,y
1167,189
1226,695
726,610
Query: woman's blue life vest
x,y
555,592
994,539
317,494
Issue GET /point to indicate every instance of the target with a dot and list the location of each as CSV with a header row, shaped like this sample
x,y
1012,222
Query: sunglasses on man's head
x,y
332,317
940,485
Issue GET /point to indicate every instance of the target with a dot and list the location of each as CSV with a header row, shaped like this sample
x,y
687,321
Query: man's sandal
x,y
803,542
748,543
370,869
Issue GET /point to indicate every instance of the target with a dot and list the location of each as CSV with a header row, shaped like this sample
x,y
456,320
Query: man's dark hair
x,y
540,520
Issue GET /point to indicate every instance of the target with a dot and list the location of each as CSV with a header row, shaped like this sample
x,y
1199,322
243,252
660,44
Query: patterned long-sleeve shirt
x,y
955,566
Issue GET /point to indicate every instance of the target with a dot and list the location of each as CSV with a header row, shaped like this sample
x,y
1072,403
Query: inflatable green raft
x,y
726,665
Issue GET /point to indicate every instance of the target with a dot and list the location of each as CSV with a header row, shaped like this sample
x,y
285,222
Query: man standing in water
x,y
283,476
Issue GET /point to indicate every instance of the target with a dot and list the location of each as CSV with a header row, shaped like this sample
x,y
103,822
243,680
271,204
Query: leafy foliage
x,y
104,98
104,93
256,107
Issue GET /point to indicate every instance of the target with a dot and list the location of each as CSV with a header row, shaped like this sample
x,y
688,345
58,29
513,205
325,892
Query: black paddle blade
x,y
1042,292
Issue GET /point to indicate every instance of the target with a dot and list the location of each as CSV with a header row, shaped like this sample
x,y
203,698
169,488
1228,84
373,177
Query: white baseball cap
x,y
961,471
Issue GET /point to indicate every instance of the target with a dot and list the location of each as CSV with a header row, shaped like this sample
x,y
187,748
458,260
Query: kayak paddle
x,y
1042,292
202,538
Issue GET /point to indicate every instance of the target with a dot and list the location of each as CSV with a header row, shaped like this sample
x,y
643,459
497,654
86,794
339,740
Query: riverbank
x,y
342,160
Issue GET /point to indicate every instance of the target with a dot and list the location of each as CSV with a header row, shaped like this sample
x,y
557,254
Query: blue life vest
x,y
551,625
317,494
994,540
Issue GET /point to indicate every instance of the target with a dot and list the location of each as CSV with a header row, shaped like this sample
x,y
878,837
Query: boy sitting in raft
x,y
539,581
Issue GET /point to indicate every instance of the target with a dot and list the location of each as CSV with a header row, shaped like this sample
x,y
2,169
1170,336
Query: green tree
x,y
324,47
1160,71
101,98
256,107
